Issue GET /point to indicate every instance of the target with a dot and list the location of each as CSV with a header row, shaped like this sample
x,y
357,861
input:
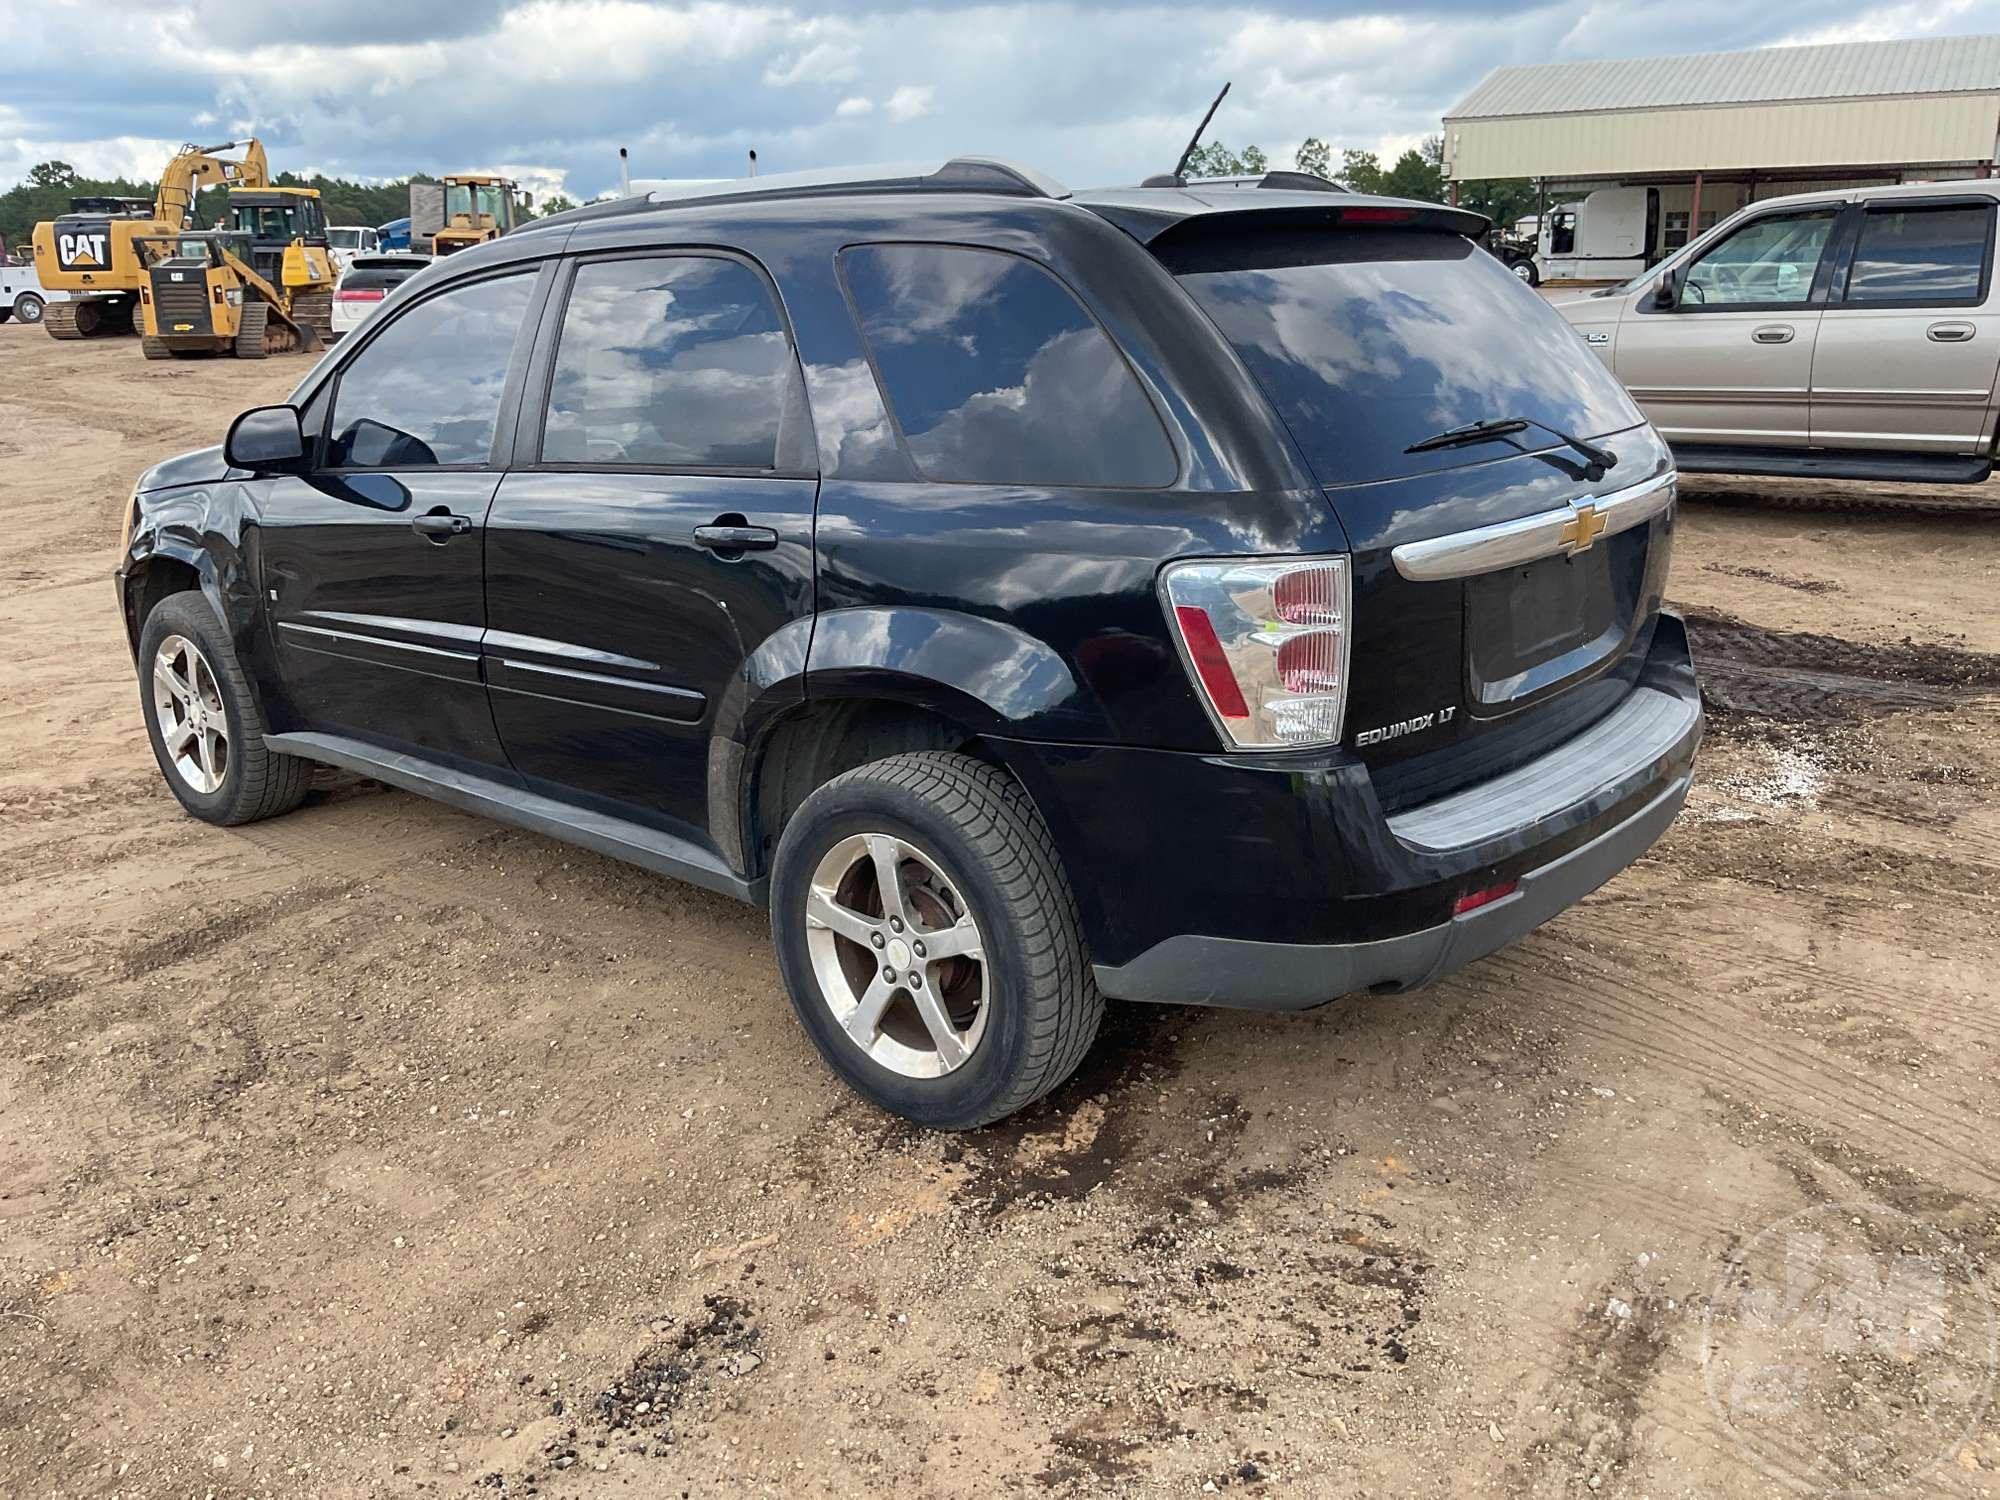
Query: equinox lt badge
x,y
1402,727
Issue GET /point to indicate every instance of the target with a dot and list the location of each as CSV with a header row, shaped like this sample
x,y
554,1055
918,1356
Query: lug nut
x,y
875,938
895,924
916,981
889,975
920,948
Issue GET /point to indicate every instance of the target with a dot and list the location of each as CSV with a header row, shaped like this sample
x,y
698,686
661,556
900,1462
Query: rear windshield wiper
x,y
1498,427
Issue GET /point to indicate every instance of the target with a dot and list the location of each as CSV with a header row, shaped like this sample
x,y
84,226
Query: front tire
x,y
204,723
28,308
929,940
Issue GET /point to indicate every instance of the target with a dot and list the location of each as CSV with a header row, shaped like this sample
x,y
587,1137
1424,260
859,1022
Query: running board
x,y
1832,463
633,843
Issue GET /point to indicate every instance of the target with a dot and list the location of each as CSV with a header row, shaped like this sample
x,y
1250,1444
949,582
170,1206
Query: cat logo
x,y
85,251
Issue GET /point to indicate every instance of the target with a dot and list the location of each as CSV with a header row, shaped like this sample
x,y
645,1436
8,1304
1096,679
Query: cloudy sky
x,y
549,89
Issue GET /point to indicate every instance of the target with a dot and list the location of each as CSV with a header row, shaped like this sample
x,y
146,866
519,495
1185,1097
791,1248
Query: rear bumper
x,y
1276,883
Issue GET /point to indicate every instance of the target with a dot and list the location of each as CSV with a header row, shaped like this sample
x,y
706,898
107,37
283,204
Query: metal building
x,y
1714,131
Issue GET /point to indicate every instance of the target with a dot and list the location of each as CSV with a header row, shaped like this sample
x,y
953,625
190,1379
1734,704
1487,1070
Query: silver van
x,y
1846,334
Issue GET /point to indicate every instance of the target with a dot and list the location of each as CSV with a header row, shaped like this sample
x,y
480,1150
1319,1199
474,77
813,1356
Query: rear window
x,y
366,278
1369,342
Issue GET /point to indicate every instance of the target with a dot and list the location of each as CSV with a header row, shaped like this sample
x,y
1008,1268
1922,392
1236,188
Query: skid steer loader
x,y
264,285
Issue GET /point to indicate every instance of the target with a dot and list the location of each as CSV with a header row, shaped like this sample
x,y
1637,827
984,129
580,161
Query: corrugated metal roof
x,y
1843,70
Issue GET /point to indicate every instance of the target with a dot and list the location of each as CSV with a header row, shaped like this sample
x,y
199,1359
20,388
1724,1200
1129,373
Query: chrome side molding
x,y
1553,533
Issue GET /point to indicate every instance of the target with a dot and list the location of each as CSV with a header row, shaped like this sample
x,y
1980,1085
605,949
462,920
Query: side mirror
x,y
1668,291
265,438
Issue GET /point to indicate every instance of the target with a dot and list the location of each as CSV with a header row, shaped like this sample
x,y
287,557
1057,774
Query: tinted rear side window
x,y
1370,341
671,362
997,375
1934,254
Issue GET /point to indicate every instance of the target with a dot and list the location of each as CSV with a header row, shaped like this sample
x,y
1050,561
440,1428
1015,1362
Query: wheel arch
x,y
848,686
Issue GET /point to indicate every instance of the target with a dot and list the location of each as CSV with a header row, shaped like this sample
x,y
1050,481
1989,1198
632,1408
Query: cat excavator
x,y
92,252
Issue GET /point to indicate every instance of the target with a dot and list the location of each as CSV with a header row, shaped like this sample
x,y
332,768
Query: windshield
x,y
473,199
344,239
1369,342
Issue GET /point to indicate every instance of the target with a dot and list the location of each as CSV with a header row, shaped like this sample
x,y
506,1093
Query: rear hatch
x,y
1371,337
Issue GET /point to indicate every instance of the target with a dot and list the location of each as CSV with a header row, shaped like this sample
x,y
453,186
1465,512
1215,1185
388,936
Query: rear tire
x,y
204,723
1004,973
29,308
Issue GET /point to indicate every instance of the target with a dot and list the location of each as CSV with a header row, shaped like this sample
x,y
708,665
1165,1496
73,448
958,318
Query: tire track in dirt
x,y
1653,1026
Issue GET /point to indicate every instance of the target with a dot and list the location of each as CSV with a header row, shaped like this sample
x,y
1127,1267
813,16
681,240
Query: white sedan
x,y
365,282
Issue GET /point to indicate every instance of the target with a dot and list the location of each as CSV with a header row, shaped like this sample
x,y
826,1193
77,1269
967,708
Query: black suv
x,y
1233,598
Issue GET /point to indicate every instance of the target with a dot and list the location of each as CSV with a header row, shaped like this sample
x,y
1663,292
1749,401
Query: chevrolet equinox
x,y
1233,598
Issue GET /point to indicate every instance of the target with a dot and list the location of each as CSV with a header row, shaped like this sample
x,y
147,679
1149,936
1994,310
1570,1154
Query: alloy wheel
x,y
898,955
187,705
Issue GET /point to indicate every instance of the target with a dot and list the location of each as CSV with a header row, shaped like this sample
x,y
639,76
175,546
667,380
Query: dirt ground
x,y
379,1150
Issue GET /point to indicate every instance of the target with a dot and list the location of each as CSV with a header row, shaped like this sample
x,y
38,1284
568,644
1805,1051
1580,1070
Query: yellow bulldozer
x,y
92,252
261,284
475,207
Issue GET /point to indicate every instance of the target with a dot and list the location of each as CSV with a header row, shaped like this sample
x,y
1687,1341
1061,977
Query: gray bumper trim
x,y
1648,724
1192,970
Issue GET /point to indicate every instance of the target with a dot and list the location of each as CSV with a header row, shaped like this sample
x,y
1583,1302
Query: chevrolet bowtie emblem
x,y
1585,527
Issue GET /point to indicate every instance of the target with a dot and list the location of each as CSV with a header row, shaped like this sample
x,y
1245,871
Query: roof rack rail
x,y
959,174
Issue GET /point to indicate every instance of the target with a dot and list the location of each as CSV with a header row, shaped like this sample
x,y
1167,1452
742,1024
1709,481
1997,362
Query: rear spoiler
x,y
1153,215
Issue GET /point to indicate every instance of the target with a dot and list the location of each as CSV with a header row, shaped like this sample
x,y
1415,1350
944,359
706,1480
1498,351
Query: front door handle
x,y
1773,333
736,538
1950,333
440,525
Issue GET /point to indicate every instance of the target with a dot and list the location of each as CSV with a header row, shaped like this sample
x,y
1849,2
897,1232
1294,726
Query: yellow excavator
x,y
262,284
92,251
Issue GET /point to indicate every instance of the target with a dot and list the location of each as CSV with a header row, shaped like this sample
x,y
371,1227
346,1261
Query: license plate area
x,y
1534,627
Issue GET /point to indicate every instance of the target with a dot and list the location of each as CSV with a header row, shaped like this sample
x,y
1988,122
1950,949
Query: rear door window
x,y
1939,253
1369,341
672,361
996,374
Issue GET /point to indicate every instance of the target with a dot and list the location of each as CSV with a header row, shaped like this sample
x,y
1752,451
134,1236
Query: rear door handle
x,y
1773,333
440,525
1950,333
736,538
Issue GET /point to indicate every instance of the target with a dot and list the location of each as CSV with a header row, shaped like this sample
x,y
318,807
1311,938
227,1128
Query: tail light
x,y
1266,642
360,294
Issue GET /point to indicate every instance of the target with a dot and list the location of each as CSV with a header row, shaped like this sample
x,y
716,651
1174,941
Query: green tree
x,y
1361,171
1217,160
555,203
1314,156
1414,177
49,174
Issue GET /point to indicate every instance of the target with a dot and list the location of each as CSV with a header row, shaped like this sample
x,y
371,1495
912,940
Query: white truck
x,y
22,295
1608,235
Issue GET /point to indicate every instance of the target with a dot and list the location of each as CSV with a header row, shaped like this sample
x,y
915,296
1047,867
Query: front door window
x,y
1767,263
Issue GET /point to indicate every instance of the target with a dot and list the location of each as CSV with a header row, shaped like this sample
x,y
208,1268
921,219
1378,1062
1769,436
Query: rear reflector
x,y
361,294
1486,897
1211,662
1378,215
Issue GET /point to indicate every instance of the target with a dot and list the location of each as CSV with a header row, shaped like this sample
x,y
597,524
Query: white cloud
x,y
829,62
910,102
854,107
1886,23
